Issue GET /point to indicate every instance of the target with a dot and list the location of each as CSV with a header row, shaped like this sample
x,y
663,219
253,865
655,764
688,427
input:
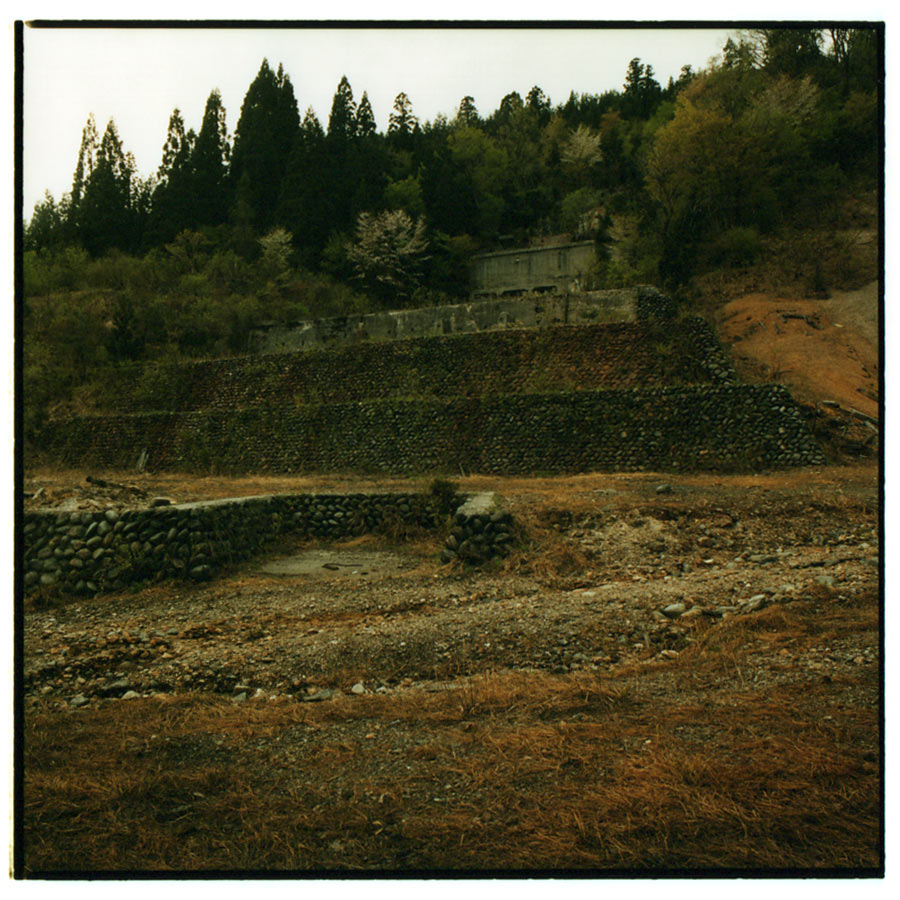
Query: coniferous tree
x,y
105,214
365,118
467,114
402,122
539,104
509,105
208,189
87,159
338,171
177,148
263,139
642,92
46,228
342,122
368,161
171,210
305,207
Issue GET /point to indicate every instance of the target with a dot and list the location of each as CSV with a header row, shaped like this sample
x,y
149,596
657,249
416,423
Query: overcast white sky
x,y
137,77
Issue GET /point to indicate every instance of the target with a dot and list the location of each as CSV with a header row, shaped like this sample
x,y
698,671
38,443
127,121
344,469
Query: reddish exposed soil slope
x,y
821,349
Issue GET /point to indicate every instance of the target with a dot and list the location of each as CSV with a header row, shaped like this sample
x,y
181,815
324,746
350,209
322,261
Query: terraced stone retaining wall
x,y
708,428
587,358
89,552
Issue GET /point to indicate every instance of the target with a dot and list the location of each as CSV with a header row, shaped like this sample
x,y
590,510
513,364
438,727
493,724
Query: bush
x,y
620,273
445,494
737,247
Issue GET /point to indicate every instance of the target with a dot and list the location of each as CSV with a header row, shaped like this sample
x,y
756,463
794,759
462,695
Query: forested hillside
x,y
761,160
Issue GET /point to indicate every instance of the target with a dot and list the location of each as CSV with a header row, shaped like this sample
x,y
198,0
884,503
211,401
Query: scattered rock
x,y
692,613
673,610
323,694
115,688
756,602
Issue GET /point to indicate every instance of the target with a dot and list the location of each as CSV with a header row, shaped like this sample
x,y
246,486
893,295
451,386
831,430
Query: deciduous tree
x,y
388,253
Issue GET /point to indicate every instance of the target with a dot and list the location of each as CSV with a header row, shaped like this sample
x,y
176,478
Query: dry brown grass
x,y
734,756
572,492
531,771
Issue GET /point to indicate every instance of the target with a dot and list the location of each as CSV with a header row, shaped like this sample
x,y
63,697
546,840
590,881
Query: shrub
x,y
737,247
445,494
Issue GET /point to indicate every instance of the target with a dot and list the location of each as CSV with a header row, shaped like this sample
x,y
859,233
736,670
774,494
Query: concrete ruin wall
x,y
590,357
559,268
625,305
705,428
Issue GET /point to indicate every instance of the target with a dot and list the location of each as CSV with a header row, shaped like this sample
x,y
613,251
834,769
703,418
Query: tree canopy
x,y
752,140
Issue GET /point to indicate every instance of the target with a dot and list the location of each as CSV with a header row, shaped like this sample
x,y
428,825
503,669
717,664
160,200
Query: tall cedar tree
x,y
467,114
87,159
342,120
371,163
262,143
105,217
402,124
642,92
338,173
47,225
305,207
365,118
209,165
171,210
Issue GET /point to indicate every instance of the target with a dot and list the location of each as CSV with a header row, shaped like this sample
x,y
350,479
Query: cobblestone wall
x,y
711,428
565,358
89,552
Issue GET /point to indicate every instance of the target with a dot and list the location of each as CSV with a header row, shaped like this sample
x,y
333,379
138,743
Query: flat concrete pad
x,y
328,563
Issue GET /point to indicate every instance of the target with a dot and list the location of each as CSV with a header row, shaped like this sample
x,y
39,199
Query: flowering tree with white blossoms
x,y
388,252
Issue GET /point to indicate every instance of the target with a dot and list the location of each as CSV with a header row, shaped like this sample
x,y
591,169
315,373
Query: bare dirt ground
x,y
672,672
821,349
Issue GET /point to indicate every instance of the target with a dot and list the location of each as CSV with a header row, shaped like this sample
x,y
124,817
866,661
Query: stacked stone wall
x,y
89,552
713,428
589,357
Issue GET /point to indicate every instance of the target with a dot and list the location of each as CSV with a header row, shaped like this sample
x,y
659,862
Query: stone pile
x,y
482,530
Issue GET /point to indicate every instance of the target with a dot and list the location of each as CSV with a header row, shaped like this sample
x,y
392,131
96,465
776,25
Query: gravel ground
x,y
657,566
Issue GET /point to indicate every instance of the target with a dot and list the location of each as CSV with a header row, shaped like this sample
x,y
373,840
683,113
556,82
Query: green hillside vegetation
x,y
757,164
